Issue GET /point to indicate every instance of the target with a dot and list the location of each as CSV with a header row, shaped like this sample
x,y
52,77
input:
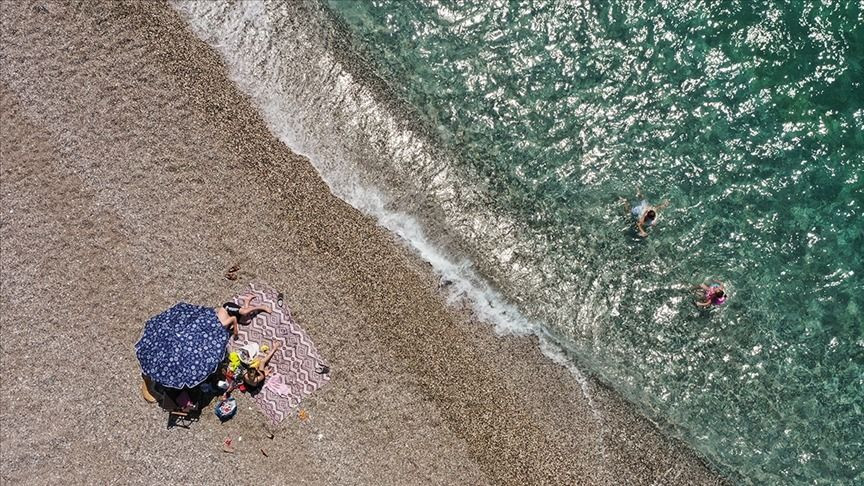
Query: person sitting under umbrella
x,y
230,313
179,348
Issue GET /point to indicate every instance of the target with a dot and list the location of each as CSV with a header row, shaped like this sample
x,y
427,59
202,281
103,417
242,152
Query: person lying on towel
x,y
254,374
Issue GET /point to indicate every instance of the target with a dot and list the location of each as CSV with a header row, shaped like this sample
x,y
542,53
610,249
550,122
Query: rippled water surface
x,y
748,119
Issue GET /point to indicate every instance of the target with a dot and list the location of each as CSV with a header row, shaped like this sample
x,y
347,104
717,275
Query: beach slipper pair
x,y
231,274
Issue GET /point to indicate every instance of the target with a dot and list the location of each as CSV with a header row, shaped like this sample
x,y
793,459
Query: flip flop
x,y
280,299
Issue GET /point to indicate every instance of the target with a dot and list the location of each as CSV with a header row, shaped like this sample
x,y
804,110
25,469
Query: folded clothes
x,y
278,386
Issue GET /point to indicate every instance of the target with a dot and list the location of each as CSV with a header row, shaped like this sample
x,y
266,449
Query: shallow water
x,y
539,116
749,121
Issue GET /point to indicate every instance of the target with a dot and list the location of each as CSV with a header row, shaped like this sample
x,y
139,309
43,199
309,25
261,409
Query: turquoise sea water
x,y
749,118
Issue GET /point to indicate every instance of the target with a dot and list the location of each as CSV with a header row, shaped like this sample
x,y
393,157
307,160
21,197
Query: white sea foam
x,y
323,104
318,109
552,350
243,37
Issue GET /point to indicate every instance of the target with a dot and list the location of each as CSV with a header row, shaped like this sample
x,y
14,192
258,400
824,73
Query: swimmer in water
x,y
714,295
644,212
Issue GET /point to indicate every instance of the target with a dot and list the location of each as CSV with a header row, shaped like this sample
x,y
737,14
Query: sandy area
x,y
133,175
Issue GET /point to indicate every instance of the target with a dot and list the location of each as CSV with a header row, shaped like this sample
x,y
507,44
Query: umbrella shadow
x,y
184,406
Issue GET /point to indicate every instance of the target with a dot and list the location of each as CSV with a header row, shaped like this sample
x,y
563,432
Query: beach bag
x,y
247,353
226,409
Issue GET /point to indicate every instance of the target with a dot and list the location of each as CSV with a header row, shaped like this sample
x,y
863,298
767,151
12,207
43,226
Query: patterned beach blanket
x,y
299,369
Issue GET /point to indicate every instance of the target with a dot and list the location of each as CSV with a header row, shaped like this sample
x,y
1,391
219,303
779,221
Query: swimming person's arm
x,y
641,228
625,203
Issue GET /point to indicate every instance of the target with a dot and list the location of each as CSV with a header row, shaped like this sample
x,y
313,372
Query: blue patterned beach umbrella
x,y
182,346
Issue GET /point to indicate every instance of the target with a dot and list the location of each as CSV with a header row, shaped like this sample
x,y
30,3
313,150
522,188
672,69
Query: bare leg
x,y
147,389
228,321
231,323
247,310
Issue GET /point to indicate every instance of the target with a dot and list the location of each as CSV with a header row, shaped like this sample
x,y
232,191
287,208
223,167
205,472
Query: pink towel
x,y
278,386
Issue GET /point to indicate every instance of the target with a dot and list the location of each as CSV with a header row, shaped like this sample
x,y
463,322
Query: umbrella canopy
x,y
182,346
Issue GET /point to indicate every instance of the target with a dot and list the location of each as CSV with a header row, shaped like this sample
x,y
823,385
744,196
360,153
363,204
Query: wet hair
x,y
650,214
719,294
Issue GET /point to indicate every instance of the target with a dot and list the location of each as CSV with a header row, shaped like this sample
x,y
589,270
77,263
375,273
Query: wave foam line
x,y
279,55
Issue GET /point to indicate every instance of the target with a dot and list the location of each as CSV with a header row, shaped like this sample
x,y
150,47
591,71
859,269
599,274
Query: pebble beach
x,y
134,174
